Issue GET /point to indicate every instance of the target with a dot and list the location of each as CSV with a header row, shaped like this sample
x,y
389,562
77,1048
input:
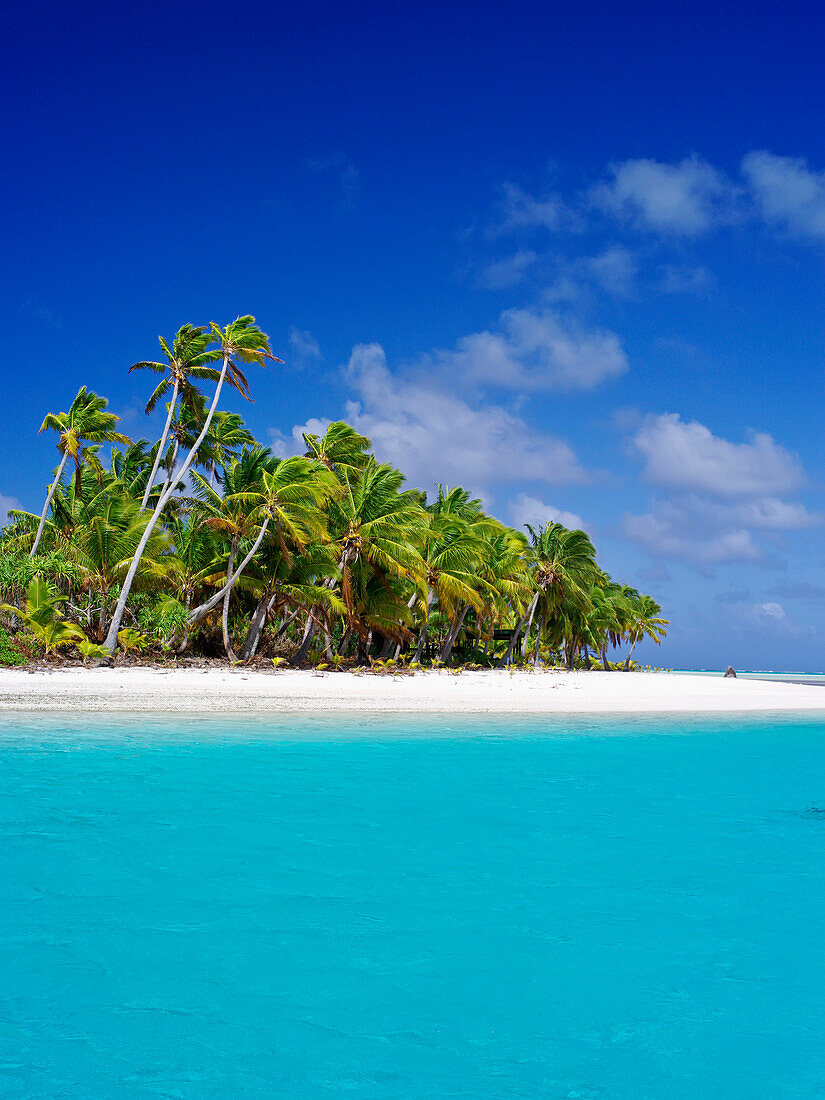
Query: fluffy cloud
x,y
533,351
6,504
689,457
787,193
709,532
684,199
432,434
724,494
526,509
667,532
304,346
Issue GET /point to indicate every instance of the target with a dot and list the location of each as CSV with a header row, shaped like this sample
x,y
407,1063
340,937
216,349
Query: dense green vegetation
x,y
205,543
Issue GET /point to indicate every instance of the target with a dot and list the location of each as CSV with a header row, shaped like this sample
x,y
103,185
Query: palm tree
x,y
86,422
452,552
263,492
341,448
131,467
230,515
188,358
645,621
109,526
227,436
564,572
373,522
241,341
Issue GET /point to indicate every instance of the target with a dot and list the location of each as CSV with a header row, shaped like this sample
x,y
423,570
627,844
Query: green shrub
x,y
11,653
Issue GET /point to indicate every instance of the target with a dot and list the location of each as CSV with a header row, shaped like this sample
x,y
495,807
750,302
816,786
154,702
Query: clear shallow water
x,y
500,908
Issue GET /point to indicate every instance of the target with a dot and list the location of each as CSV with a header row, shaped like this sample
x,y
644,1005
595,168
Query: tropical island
x,y
205,551
205,545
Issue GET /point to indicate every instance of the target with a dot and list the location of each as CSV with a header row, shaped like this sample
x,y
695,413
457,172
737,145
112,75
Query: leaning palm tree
x,y
284,495
86,422
189,357
229,513
241,341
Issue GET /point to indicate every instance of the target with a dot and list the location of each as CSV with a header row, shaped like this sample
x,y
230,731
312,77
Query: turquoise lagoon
x,y
391,908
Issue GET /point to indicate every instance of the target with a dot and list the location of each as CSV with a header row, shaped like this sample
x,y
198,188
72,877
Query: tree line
x,y
206,542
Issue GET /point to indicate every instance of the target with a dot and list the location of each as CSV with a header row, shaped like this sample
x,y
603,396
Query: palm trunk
x,y
538,641
288,621
161,445
410,605
168,480
227,642
627,659
302,652
344,646
250,646
531,612
362,653
111,638
422,637
49,496
505,660
605,665
452,634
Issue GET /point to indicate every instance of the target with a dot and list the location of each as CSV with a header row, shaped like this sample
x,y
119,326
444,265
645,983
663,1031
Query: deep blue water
x,y
486,908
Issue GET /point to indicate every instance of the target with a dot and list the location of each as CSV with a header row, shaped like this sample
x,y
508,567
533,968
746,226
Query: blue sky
x,y
571,259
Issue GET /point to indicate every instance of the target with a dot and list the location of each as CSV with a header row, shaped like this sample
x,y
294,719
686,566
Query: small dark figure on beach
x,y
730,672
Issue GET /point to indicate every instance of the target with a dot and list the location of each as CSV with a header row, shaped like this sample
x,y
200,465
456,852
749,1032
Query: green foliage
x,y
132,641
91,651
42,620
164,619
11,653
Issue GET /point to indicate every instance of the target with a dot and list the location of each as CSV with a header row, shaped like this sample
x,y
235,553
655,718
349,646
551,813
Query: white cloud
x,y
689,457
614,271
526,509
523,211
433,435
305,347
710,532
507,272
666,532
787,192
685,280
684,199
770,610
535,351
6,504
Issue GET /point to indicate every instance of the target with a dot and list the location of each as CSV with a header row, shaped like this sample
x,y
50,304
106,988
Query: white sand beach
x,y
547,692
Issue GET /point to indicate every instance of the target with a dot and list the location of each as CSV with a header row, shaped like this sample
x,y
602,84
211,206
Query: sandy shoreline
x,y
233,691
